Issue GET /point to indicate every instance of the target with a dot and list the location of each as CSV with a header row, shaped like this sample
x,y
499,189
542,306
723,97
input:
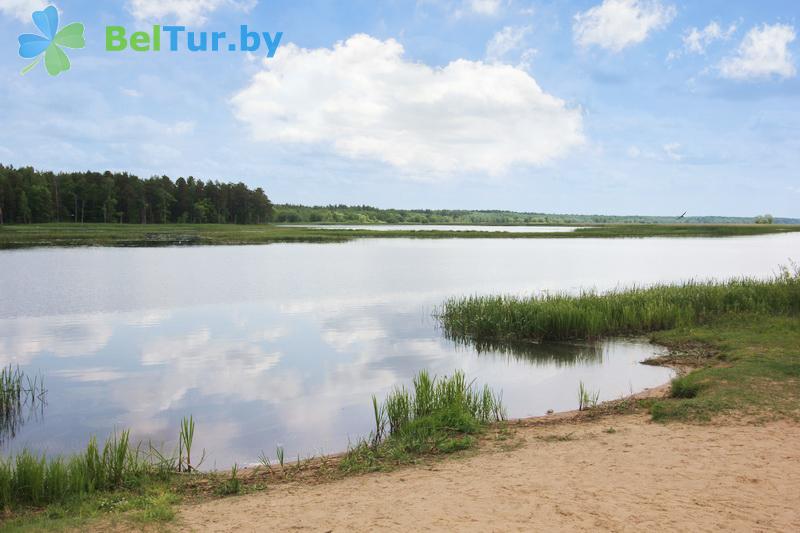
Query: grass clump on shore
x,y
592,315
30,479
139,481
440,415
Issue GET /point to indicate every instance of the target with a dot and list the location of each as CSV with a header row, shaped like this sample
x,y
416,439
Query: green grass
x,y
34,235
590,315
139,483
33,480
148,505
755,371
58,493
438,416
232,485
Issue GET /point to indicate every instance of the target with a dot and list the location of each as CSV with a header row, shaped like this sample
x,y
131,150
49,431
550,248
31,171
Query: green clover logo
x,y
55,60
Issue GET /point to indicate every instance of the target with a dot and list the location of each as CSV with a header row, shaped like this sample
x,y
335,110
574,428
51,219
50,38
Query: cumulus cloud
x,y
365,100
763,52
183,11
21,9
506,41
696,40
484,7
462,8
617,24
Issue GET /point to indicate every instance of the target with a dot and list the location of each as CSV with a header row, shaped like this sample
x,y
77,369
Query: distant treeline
x,y
333,214
30,196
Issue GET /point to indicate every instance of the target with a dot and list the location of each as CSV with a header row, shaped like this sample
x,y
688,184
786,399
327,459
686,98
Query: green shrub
x,y
684,388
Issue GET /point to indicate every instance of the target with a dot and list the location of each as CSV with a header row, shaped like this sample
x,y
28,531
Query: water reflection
x,y
285,344
13,417
558,354
22,400
255,376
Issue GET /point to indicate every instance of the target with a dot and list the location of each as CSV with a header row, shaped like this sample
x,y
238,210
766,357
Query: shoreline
x,y
24,236
618,471
608,408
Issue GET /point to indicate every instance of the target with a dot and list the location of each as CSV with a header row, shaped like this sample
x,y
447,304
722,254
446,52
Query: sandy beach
x,y
616,473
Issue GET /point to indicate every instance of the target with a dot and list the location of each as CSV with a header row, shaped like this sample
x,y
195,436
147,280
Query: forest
x,y
364,214
31,196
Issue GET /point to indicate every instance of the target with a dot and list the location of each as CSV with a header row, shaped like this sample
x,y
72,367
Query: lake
x,y
283,344
440,227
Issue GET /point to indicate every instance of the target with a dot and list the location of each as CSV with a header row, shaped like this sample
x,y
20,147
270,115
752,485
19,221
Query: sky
x,y
651,107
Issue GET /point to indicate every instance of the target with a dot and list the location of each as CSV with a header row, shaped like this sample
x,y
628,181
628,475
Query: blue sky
x,y
593,106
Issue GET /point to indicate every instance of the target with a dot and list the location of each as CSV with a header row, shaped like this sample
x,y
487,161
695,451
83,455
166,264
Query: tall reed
x,y
447,401
587,399
185,441
35,479
591,315
438,415
21,397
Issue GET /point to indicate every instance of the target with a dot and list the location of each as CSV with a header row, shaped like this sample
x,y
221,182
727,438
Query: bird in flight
x,y
683,215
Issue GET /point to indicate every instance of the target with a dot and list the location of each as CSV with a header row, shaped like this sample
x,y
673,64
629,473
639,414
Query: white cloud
x,y
616,24
696,40
527,11
526,58
183,11
672,151
506,41
462,8
763,52
365,100
484,7
22,9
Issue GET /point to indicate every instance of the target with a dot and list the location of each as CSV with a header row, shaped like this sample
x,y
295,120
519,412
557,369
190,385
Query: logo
x,y
32,45
177,38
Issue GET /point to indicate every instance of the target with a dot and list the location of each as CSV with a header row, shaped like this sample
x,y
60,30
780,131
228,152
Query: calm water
x,y
284,344
442,227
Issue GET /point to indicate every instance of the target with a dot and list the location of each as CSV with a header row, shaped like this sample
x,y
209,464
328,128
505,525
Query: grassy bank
x,y
33,235
741,338
745,364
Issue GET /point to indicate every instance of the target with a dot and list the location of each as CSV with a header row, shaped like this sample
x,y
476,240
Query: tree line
x,y
30,196
364,214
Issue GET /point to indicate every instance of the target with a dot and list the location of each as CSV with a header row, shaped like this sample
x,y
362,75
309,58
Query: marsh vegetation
x,y
630,311
22,397
150,235
739,337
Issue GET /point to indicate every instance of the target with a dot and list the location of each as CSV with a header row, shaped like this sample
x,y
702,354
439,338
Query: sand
x,y
645,476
